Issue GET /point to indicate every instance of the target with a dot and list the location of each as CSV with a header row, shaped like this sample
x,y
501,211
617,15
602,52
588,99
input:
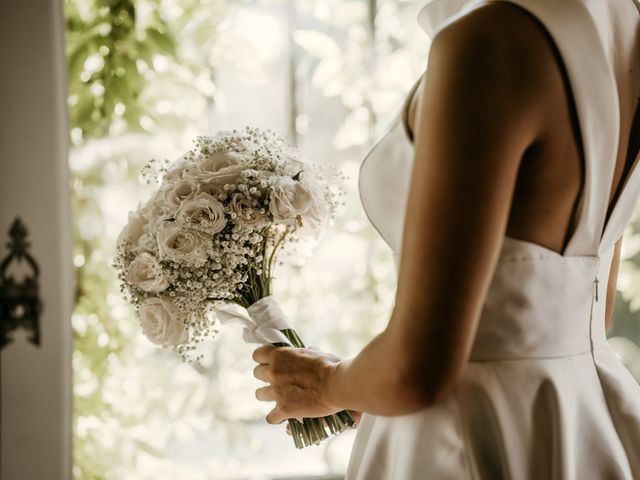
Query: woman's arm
x,y
479,111
611,286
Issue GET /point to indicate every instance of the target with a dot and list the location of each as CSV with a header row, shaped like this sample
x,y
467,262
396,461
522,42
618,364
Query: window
x,y
146,77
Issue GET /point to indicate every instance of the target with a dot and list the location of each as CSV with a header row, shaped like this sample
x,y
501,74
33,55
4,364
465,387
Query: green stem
x,y
273,254
311,431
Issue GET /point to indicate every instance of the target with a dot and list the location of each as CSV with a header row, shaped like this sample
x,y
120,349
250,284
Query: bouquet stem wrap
x,y
265,323
262,322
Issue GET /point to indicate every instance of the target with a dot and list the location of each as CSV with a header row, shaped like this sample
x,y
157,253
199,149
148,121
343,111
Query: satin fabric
x,y
543,396
262,321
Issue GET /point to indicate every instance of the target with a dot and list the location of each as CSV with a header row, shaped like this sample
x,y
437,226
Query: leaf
x,y
119,89
76,61
162,42
86,32
143,52
83,109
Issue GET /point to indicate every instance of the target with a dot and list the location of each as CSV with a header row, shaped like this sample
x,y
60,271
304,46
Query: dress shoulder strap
x,y
627,199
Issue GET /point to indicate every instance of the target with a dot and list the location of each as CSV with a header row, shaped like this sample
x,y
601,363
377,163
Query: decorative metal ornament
x,y
20,304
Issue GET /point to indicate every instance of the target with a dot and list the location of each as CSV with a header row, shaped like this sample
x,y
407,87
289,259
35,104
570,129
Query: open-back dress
x,y
543,396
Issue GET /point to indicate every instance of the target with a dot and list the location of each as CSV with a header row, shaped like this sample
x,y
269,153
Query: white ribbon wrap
x,y
262,321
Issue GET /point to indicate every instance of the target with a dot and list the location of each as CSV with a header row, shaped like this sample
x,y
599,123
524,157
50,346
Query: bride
x,y
503,186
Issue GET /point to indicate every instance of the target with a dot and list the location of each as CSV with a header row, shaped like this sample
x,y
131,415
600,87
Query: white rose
x,y
146,273
134,228
289,200
162,323
182,245
294,163
147,243
318,208
203,212
247,214
174,194
212,189
158,210
219,169
174,174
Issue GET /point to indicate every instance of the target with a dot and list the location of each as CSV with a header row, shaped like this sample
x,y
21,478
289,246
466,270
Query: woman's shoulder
x,y
499,21
501,25
497,44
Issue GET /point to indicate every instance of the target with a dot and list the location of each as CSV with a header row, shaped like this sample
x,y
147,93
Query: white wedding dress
x,y
543,396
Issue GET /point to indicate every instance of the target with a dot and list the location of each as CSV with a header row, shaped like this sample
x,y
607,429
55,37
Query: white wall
x,y
36,382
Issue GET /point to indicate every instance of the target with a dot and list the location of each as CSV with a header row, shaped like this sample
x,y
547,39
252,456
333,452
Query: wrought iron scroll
x,y
20,304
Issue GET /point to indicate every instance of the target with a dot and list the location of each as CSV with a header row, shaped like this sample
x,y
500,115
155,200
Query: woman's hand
x,y
298,381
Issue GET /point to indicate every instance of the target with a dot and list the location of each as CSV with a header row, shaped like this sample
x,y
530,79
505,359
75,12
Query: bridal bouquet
x,y
204,245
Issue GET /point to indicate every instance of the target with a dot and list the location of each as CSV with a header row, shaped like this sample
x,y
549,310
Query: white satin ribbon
x,y
262,321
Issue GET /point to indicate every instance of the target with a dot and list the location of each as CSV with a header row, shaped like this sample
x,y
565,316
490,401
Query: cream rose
x,y
317,211
133,230
147,243
218,169
146,273
174,174
182,245
162,323
176,193
212,189
293,162
203,212
313,217
289,200
247,214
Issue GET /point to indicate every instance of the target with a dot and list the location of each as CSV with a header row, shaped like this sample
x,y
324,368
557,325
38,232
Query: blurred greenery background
x,y
146,77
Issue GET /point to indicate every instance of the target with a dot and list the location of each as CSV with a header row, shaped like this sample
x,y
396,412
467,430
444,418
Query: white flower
x,y
146,273
212,188
220,135
147,243
183,246
218,169
162,323
203,212
289,200
174,194
318,208
134,229
293,162
247,214
174,174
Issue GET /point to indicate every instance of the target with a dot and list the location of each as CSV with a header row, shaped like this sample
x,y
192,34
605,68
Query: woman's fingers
x,y
263,353
265,394
261,372
275,416
357,416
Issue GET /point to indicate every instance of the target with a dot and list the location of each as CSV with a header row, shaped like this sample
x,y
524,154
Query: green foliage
x,y
119,50
109,50
627,308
